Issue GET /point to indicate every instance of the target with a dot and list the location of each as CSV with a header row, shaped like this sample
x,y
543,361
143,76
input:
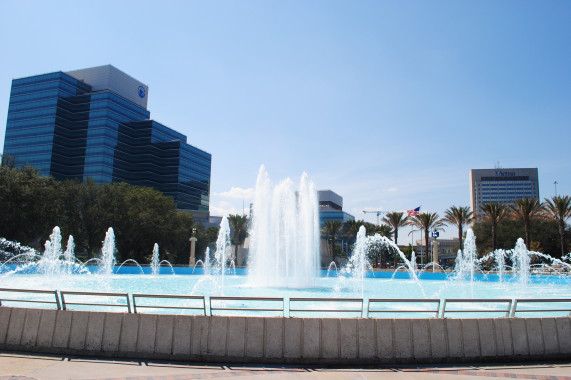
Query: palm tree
x,y
383,230
395,220
427,221
526,209
332,228
558,208
458,216
494,213
238,224
351,228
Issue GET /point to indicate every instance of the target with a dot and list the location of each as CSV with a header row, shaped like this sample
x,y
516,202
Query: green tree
x,y
139,216
558,208
459,217
92,215
381,229
526,209
206,238
351,228
27,204
331,228
545,232
239,227
427,221
395,220
176,244
379,253
494,213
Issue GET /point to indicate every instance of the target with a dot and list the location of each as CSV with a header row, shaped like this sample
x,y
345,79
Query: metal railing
x,y
93,296
519,302
53,293
387,301
221,303
477,301
325,302
288,307
168,297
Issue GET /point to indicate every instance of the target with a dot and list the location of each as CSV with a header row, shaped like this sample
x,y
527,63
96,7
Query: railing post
x,y
58,304
508,311
129,303
62,294
443,309
514,307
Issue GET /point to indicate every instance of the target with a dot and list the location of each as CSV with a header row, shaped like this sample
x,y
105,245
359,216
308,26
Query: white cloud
x,y
238,193
223,208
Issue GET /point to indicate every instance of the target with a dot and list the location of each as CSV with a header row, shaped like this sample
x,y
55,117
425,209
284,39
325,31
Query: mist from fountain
x,y
521,261
49,263
284,238
466,260
108,253
155,266
332,266
69,254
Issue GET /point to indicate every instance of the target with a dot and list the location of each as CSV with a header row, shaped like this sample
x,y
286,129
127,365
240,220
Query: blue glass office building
x,y
331,207
94,123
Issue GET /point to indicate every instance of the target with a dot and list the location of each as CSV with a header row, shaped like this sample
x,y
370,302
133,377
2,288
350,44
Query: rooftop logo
x,y
141,92
500,173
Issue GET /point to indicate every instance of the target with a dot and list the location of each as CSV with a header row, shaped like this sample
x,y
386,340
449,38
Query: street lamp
x,y
193,239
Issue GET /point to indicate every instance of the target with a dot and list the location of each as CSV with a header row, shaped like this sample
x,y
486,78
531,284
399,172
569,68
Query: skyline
x,y
387,104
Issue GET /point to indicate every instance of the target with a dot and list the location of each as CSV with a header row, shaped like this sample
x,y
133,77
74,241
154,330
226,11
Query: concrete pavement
x,y
27,366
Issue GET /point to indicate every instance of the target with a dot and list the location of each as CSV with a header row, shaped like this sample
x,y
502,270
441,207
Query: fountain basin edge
x,y
284,340
379,274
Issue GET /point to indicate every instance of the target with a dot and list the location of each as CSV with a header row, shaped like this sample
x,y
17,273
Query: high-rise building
x,y
502,186
331,207
94,123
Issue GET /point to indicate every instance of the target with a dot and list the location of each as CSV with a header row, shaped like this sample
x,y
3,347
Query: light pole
x,y
555,183
193,239
412,238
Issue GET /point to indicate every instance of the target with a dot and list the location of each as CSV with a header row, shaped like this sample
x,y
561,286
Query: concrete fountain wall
x,y
284,340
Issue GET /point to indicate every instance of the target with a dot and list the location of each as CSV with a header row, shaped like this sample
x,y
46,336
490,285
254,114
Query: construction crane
x,y
378,212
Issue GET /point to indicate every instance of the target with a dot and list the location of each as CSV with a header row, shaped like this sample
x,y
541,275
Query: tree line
x,y
543,225
31,205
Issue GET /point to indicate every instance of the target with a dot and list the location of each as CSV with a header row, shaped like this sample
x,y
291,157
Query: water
x,y
283,262
284,239
155,260
108,253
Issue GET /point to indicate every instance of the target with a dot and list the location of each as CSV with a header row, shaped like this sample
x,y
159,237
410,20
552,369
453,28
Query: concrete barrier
x,y
284,340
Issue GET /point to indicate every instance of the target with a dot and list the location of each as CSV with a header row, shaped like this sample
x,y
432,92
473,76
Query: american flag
x,y
414,212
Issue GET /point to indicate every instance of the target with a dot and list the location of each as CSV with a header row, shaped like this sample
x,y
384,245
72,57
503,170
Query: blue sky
x,y
388,103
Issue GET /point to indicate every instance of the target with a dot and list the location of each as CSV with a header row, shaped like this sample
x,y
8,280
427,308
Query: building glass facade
x,y
502,186
69,129
331,207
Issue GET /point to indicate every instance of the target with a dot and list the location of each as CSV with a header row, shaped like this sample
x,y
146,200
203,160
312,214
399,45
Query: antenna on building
x,y
498,166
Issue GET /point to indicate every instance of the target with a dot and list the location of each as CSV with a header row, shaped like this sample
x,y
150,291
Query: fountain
x,y
155,266
283,260
284,240
108,253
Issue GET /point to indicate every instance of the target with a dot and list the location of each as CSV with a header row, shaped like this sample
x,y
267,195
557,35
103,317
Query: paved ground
x,y
25,366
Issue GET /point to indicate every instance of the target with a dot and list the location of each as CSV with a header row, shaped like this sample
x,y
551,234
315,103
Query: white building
x,y
502,186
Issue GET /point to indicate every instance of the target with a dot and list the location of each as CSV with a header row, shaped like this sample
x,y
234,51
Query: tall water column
x,y
284,236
